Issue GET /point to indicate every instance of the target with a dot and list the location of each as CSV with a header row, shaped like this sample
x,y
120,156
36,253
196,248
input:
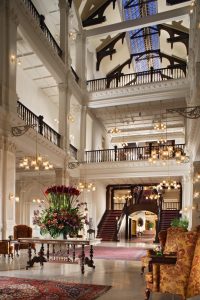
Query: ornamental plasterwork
x,y
144,88
7,145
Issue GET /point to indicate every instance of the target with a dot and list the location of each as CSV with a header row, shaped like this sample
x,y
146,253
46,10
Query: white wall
x,y
98,133
98,205
35,99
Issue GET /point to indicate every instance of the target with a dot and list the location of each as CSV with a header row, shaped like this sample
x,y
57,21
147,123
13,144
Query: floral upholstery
x,y
174,278
146,259
23,231
183,278
170,245
194,279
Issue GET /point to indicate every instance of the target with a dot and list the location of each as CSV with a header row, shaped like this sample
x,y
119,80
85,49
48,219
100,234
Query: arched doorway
x,y
142,226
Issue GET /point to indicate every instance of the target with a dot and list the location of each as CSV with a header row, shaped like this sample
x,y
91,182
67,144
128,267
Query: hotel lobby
x,y
99,125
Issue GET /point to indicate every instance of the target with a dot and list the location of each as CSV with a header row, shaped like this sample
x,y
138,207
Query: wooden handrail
x,y
121,80
40,20
124,154
39,125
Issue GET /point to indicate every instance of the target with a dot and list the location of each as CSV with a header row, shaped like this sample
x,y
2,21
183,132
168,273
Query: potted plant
x,y
151,225
180,222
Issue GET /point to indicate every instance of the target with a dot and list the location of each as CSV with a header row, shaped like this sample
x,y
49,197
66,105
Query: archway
x,y
142,226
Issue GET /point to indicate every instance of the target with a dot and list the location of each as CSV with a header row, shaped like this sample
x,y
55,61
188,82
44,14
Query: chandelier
x,y
114,130
159,125
168,152
36,162
86,186
123,197
169,184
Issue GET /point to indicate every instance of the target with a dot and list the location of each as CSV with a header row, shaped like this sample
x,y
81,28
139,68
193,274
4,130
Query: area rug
x,y
118,253
33,289
109,253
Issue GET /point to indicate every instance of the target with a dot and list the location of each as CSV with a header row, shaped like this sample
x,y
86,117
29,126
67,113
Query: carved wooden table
x,y
67,253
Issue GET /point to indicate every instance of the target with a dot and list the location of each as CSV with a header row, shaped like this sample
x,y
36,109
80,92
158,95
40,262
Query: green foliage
x,y
151,225
180,222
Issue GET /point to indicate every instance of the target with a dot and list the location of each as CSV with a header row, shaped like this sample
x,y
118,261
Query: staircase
x,y
166,217
108,225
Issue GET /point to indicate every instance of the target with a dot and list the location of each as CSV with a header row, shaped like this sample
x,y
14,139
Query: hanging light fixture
x,y
86,186
169,184
36,163
114,130
124,144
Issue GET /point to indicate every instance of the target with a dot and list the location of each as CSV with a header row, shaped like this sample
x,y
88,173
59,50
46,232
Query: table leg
x,y
29,257
74,252
89,261
83,260
47,251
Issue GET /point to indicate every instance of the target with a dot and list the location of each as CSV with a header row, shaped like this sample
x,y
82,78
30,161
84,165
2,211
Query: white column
x,y
81,59
8,38
62,176
187,197
64,29
83,132
7,186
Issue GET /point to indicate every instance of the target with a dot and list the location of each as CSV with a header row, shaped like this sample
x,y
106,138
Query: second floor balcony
x,y
125,80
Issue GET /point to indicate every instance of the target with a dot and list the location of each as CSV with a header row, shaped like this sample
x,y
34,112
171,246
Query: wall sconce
x,y
16,199
12,58
11,196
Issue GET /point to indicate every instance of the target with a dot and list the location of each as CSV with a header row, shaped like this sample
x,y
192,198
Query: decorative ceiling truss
x,y
134,3
109,49
174,2
176,36
144,32
97,16
145,39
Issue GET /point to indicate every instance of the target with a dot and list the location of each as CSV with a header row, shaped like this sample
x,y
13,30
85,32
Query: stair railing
x,y
101,221
119,221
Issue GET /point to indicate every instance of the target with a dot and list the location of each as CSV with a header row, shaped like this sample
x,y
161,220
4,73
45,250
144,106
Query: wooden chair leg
x,y
147,294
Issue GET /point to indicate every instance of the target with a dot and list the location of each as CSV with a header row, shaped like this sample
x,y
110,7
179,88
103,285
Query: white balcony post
x,y
8,55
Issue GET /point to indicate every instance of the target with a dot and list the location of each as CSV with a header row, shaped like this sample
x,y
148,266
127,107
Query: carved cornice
x,y
164,89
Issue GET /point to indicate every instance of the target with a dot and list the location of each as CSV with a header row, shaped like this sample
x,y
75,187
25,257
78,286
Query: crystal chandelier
x,y
169,184
86,186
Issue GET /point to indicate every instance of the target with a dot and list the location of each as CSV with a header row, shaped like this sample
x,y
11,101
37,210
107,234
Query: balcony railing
x,y
153,75
39,125
171,205
125,154
39,19
73,151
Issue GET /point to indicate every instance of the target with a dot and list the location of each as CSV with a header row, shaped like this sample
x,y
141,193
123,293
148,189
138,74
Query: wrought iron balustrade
x,y
39,125
125,154
153,75
44,28
73,151
75,75
171,205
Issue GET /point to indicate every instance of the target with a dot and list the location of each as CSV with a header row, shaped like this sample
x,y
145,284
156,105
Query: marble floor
x,y
123,276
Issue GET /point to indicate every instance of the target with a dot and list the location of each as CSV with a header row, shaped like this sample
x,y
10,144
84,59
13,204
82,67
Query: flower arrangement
x,y
63,215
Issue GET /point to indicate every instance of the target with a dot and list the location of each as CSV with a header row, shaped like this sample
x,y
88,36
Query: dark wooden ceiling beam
x,y
109,49
131,3
97,16
176,36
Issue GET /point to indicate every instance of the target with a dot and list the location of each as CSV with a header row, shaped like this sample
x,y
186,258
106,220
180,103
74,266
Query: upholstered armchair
x,y
23,231
145,260
183,277
167,244
6,248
